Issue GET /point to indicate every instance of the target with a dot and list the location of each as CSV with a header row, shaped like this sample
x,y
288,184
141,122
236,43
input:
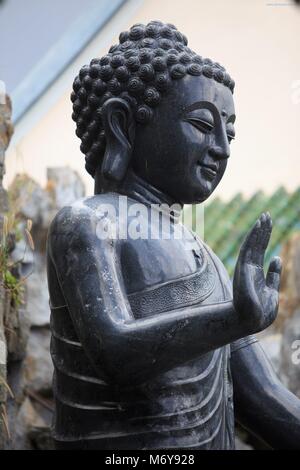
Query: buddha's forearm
x,y
144,348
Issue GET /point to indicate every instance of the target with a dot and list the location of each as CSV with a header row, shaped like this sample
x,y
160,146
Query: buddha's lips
x,y
211,170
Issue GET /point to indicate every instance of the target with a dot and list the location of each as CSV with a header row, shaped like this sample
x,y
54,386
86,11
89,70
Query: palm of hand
x,y
255,295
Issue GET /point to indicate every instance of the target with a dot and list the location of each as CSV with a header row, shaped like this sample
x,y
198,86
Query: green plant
x,y
11,283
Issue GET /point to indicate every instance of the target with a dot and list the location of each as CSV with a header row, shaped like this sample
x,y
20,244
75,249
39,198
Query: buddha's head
x,y
153,105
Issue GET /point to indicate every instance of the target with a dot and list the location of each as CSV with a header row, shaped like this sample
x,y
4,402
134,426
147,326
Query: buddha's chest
x,y
161,276
149,263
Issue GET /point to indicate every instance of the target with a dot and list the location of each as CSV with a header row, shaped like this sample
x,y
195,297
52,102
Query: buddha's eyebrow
x,y
200,105
211,107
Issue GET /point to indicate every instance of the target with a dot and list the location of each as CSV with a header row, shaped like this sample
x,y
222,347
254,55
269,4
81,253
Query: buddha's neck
x,y
140,190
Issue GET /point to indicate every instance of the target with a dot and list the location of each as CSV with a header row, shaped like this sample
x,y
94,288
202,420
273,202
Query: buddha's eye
x,y
201,125
230,138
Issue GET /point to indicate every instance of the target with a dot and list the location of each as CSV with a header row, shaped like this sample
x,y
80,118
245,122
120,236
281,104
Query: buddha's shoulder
x,y
87,208
75,217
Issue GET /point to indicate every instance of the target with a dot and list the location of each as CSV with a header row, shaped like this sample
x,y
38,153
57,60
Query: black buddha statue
x,y
152,347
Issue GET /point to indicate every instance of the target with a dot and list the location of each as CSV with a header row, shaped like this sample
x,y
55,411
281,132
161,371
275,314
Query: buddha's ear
x,y
119,128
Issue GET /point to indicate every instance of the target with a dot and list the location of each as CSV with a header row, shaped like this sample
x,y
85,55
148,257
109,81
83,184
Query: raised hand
x,y
255,295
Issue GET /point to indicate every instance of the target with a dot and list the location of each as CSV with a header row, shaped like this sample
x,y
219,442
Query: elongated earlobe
x,y
119,127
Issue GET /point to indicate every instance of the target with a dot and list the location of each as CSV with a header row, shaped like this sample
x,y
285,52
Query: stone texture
x,y
38,298
27,418
41,439
38,362
29,410
3,353
6,126
17,324
6,131
31,201
290,354
288,320
64,185
290,281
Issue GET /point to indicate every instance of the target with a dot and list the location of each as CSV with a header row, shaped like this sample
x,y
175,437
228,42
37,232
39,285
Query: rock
x,y
30,201
3,354
22,254
17,328
6,132
16,380
37,289
290,354
27,418
40,205
64,185
38,363
289,299
44,406
41,438
6,126
30,411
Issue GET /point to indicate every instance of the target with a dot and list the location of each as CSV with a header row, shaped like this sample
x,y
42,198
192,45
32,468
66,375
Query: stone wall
x,y
26,211
6,131
14,318
29,200
13,334
289,316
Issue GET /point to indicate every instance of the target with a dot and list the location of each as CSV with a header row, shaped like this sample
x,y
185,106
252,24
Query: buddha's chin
x,y
204,189
205,182
199,194
195,190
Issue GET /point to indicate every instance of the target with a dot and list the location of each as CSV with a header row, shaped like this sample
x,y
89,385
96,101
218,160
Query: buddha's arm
x,y
131,350
262,404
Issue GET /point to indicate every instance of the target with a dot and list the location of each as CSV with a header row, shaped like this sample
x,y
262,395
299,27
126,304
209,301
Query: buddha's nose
x,y
219,152
219,148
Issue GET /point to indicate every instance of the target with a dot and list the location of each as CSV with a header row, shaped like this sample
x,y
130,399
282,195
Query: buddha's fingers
x,y
263,239
274,272
249,245
267,231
